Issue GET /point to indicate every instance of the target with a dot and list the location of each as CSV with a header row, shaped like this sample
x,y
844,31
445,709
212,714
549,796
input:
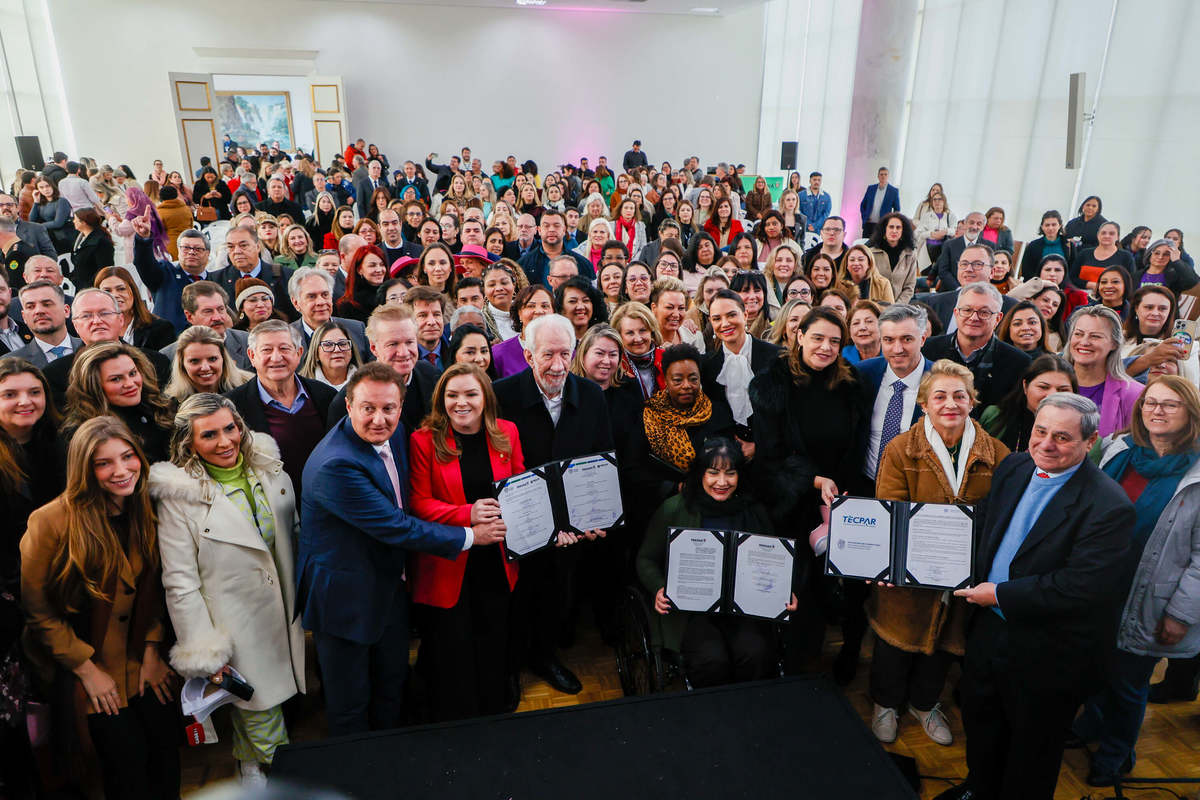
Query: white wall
x,y
989,109
811,47
536,83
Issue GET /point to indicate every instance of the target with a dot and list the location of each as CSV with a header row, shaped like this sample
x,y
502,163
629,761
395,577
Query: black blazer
x,y
946,270
1067,581
996,372
250,405
418,397
582,428
762,356
155,336
90,256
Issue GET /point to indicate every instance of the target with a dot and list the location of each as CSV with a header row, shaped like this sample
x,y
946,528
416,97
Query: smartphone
x,y
1182,335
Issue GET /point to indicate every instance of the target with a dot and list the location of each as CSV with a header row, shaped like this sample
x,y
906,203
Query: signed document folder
x,y
729,572
919,545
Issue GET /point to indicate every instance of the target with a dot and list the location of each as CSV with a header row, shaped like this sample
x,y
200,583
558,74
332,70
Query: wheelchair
x,y
644,666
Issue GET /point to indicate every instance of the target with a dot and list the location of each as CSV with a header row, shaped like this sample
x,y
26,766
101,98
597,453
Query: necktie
x,y
389,464
59,352
431,357
891,417
1043,475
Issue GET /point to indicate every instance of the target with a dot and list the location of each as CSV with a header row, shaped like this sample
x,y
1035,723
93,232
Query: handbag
x,y
206,214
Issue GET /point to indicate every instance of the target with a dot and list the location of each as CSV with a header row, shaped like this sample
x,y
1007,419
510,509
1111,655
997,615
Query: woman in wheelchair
x,y
715,649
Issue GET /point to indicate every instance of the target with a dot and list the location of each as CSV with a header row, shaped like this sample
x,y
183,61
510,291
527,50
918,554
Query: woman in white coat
x,y
226,519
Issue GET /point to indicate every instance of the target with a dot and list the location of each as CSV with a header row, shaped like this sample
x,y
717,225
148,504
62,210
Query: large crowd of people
x,y
271,399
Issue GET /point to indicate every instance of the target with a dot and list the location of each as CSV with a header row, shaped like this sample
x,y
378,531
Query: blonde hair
x,y
945,368
203,404
639,311
179,387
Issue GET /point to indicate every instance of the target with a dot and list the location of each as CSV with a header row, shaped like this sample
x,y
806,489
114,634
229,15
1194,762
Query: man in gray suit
x,y
33,233
45,310
205,303
311,290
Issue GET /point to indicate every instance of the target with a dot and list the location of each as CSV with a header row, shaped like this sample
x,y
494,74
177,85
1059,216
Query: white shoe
x,y
250,774
885,725
935,724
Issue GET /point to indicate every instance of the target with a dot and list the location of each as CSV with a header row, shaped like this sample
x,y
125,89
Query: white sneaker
x,y
885,725
250,774
935,724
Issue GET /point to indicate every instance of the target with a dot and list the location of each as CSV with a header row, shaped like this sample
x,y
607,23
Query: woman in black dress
x,y
810,423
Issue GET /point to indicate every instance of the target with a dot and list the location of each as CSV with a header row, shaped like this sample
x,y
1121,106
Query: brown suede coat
x,y
925,620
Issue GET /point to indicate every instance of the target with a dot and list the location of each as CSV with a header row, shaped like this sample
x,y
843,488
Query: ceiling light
x,y
709,11
531,2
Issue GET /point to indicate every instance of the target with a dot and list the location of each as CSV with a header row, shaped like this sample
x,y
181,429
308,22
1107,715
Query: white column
x,y
881,76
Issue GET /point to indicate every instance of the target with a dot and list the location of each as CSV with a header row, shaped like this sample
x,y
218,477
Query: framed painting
x,y
252,118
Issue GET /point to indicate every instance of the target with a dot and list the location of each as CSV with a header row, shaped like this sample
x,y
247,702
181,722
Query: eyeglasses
x,y
332,346
192,249
974,264
91,315
799,293
1168,406
983,313
8,205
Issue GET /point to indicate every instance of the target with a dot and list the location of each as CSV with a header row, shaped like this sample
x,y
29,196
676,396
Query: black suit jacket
x,y
996,372
418,397
762,356
250,405
943,304
58,372
1067,581
582,428
946,270
155,336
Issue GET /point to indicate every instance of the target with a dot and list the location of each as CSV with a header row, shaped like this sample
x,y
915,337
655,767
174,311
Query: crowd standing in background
x,y
271,397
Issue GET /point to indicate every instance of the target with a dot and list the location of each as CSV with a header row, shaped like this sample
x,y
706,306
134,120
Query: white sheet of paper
x,y
695,568
593,493
762,581
939,545
527,512
860,538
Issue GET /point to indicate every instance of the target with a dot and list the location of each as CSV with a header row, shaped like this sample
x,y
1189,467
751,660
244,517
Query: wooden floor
x,y
1169,744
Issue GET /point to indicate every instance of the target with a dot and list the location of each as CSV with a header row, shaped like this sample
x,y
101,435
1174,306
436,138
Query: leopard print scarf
x,y
666,427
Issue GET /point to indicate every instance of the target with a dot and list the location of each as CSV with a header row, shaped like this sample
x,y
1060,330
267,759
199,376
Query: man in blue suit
x,y
353,536
891,380
878,201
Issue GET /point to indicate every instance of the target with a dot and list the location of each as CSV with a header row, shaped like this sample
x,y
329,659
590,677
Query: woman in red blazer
x,y
460,449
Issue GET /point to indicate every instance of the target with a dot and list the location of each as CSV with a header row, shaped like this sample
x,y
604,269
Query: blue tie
x,y
59,352
891,418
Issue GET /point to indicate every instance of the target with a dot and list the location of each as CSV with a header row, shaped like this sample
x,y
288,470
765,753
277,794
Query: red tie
x,y
1041,474
431,357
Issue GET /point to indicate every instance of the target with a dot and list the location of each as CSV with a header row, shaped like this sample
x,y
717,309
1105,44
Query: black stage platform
x,y
788,738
